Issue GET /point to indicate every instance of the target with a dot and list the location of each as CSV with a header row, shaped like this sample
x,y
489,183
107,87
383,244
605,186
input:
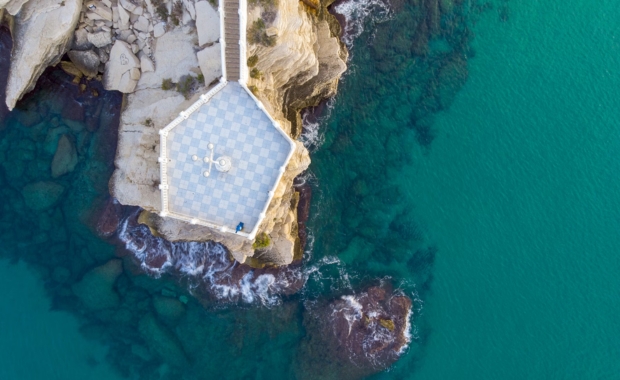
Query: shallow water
x,y
467,161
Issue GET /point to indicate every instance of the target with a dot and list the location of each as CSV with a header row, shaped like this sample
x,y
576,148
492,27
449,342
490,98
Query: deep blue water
x,y
469,159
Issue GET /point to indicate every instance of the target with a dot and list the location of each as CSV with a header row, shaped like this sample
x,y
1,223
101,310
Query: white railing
x,y
243,77
282,169
243,25
163,149
222,38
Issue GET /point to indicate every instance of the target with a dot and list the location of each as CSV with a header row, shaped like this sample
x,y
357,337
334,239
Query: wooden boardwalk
x,y
231,36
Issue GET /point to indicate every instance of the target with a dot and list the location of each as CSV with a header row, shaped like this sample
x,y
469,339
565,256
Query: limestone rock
x,y
42,33
142,24
117,70
86,61
65,158
96,289
123,18
128,5
101,9
100,39
159,29
210,62
43,195
12,6
175,56
189,5
207,23
146,64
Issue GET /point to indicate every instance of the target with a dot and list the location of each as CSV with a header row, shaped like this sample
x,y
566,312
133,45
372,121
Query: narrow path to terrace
x,y
231,36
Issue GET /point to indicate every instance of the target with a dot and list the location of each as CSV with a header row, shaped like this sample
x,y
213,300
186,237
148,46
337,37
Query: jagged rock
x,y
42,33
159,29
207,23
65,158
123,18
12,6
189,5
128,5
101,9
186,18
87,61
135,74
122,60
209,59
103,55
146,64
149,7
80,40
138,11
43,195
96,289
100,39
142,25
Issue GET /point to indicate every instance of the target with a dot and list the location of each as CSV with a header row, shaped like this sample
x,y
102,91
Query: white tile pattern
x,y
232,121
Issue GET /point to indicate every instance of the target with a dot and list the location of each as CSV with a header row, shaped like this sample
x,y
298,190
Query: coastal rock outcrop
x,y
370,329
42,33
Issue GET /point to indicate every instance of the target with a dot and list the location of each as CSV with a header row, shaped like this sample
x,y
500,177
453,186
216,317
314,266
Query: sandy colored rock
x,y
65,158
209,59
122,60
86,61
207,23
42,33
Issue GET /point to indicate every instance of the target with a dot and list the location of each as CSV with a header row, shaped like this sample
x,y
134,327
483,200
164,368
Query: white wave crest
x,y
356,14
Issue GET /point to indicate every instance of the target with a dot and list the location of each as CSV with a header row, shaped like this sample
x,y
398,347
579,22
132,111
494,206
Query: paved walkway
x,y
231,36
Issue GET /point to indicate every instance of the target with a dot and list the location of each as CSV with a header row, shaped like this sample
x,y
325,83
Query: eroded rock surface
x,y
42,34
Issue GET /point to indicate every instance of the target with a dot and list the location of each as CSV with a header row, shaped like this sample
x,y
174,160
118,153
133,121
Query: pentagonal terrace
x,y
223,162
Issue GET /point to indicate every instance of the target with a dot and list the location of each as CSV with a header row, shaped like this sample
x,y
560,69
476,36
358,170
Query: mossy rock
x,y
387,323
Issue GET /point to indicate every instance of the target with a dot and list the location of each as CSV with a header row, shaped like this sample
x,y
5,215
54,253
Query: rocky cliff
x,y
163,54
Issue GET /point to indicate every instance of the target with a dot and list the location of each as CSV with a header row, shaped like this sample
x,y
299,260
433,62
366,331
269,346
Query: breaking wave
x,y
357,12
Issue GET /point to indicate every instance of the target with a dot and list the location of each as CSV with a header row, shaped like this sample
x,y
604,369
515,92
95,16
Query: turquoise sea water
x,y
469,159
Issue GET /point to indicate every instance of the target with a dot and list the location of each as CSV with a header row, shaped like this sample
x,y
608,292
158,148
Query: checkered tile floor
x,y
237,128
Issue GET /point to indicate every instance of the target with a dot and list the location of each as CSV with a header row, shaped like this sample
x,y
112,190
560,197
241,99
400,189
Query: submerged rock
x,y
42,195
162,341
65,158
96,289
43,32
